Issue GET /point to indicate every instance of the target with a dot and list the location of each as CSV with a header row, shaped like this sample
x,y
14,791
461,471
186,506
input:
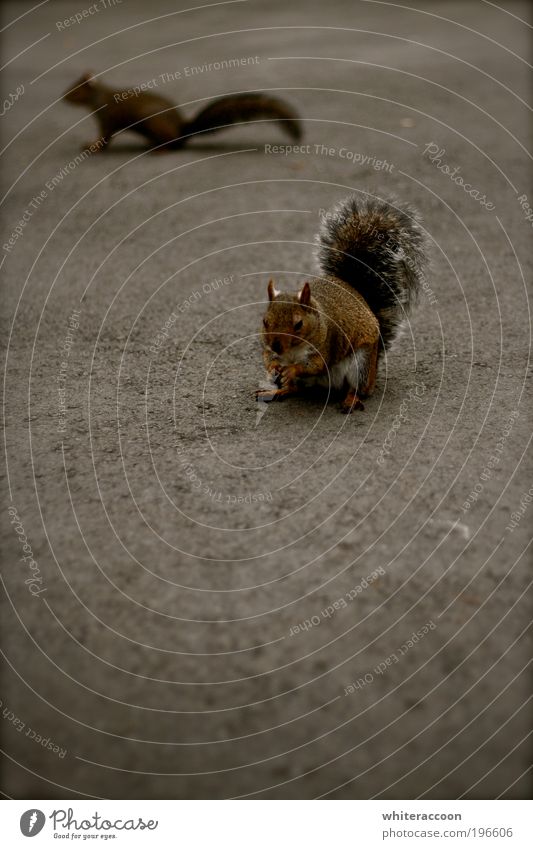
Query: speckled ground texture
x,y
207,584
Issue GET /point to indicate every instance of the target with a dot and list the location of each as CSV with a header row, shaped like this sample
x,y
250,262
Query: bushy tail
x,y
378,247
237,108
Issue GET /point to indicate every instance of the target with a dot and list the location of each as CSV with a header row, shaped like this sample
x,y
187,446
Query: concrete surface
x,y
201,599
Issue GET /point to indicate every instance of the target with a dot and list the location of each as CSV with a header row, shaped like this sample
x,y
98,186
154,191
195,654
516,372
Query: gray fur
x,y
379,248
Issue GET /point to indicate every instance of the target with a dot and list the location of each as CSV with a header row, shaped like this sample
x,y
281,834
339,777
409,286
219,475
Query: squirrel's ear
x,y
305,295
272,291
88,77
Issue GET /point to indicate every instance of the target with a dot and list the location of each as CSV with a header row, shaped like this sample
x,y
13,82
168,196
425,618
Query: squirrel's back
x,y
378,248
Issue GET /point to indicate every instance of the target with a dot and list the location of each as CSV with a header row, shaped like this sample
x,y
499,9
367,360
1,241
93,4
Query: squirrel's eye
x,y
298,324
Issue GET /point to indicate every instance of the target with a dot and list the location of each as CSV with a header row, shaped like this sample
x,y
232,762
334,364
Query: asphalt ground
x,y
225,599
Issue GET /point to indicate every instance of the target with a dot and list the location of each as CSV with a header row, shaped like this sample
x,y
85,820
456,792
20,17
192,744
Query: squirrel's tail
x,y
378,247
237,108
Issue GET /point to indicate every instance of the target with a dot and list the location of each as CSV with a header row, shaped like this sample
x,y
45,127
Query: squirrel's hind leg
x,y
366,386
367,364
351,402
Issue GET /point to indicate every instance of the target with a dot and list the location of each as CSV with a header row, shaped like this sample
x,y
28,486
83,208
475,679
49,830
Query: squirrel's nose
x,y
276,346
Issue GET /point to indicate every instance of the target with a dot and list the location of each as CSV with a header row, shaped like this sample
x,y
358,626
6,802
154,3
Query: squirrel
x,y
160,121
372,255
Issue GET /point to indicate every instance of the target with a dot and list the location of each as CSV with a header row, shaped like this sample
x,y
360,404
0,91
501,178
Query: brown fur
x,y
160,121
336,322
371,253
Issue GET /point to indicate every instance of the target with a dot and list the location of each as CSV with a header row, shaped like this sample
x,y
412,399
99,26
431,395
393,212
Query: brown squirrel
x,y
331,333
160,121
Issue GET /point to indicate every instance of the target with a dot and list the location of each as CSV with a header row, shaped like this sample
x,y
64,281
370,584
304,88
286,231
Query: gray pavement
x,y
219,600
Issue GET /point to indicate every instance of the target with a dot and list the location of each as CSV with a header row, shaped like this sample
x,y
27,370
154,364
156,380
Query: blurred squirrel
x,y
160,121
371,254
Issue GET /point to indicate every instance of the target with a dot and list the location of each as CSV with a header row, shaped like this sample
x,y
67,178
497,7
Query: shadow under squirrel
x,y
160,121
372,256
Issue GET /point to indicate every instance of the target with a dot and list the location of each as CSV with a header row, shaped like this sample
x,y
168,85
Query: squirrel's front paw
x,y
265,394
274,372
272,394
289,375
